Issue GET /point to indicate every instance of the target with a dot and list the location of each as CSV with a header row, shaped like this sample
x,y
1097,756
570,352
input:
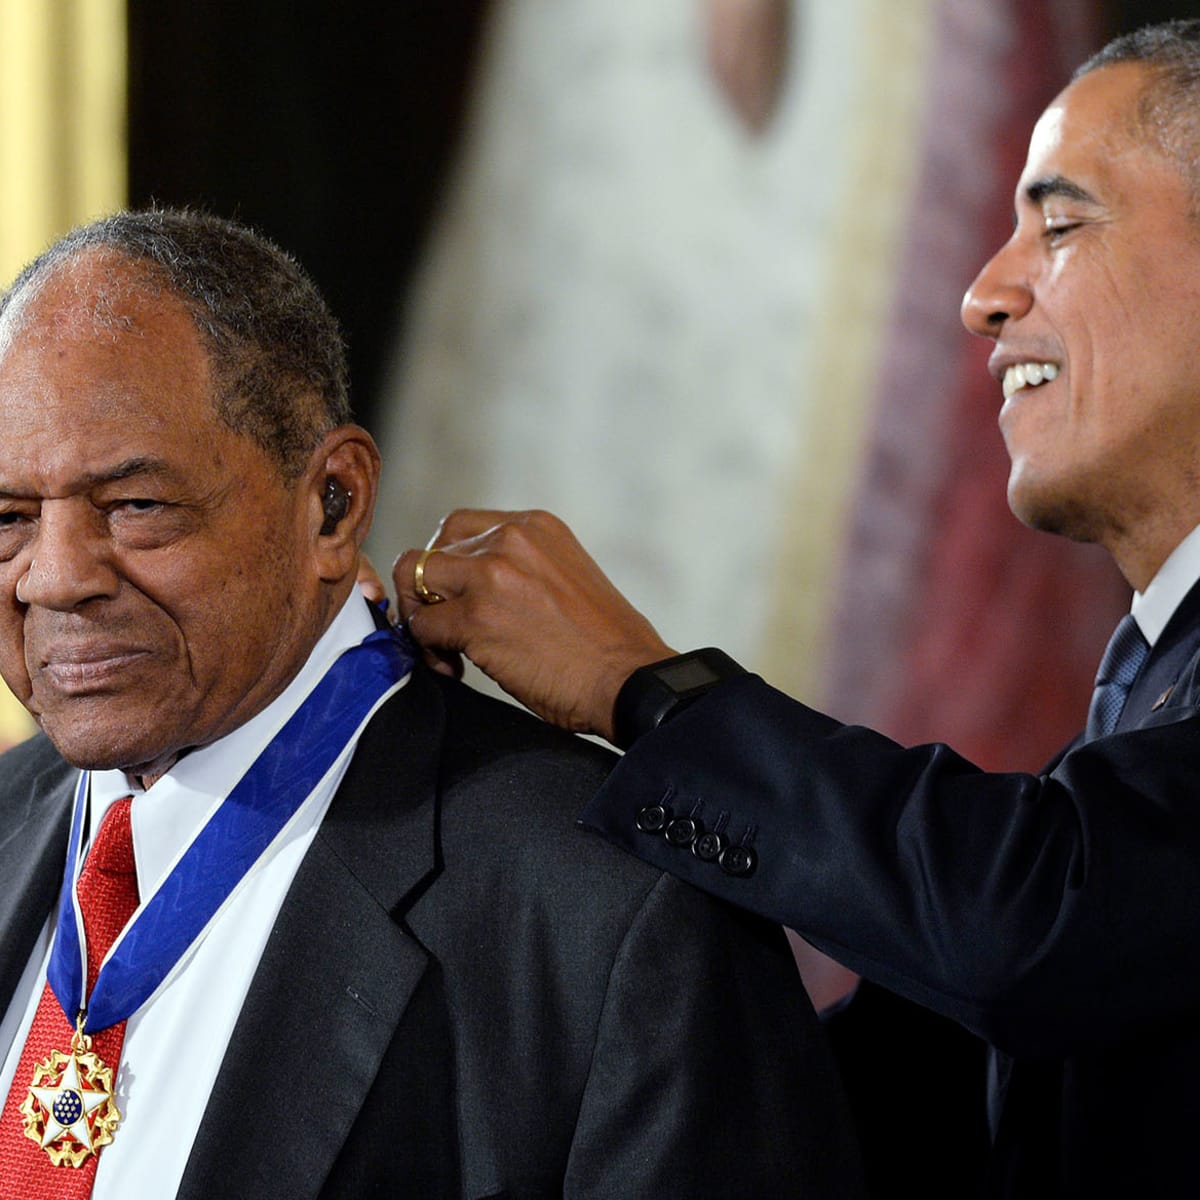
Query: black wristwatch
x,y
656,692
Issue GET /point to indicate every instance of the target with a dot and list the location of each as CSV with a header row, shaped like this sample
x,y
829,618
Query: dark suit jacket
x,y
1057,916
469,996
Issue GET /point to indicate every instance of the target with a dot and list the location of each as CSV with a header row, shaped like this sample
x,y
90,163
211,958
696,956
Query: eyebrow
x,y
130,467
142,465
1057,185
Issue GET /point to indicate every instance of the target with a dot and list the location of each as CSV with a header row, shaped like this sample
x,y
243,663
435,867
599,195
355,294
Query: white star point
x,y
89,1101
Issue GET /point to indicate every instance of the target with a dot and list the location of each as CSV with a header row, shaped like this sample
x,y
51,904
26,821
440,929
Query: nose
x,y
999,293
70,561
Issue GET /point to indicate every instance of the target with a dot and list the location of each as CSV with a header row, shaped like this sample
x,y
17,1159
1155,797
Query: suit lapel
x,y
336,975
1154,688
32,852
1171,654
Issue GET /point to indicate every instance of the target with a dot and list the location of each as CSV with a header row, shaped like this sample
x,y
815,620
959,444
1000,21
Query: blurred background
x,y
685,272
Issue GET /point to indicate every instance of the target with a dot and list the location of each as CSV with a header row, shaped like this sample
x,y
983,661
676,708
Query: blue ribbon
x,y
233,840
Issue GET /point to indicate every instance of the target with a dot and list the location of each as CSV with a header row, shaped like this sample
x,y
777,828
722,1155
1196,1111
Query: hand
x,y
370,584
523,600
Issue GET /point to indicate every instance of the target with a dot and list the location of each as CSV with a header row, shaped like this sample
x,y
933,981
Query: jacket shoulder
x,y
512,788
25,762
489,736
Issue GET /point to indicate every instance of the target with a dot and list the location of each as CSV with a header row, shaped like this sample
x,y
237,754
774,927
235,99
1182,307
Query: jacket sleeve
x,y
710,1076
1046,913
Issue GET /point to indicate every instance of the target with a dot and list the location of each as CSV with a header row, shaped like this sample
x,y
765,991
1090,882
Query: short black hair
x,y
1169,108
277,353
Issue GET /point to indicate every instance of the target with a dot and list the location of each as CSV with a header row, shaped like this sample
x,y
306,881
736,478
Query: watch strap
x,y
659,691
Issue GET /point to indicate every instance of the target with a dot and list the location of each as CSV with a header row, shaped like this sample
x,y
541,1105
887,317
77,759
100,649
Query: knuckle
x,y
497,572
510,538
447,527
541,521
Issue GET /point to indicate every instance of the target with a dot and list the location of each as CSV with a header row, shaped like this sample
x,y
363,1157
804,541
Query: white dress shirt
x,y
1154,607
175,1042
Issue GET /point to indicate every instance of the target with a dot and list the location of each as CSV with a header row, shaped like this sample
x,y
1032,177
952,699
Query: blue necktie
x,y
1127,650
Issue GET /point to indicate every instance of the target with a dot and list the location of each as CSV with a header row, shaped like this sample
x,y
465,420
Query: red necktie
x,y
107,892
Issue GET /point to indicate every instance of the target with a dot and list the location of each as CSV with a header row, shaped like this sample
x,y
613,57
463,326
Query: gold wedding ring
x,y
423,593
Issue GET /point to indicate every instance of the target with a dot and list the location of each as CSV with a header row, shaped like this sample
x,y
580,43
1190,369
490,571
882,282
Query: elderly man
x,y
1056,914
345,939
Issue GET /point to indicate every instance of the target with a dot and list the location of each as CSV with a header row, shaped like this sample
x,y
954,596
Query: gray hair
x,y
1169,108
277,354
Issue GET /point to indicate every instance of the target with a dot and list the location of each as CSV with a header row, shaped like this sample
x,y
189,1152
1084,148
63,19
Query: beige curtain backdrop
x,y
639,315
62,142
856,273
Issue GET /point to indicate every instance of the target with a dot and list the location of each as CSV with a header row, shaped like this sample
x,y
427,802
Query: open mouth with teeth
x,y
1027,375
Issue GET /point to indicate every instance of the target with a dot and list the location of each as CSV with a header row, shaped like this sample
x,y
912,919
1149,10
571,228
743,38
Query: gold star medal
x,y
70,1110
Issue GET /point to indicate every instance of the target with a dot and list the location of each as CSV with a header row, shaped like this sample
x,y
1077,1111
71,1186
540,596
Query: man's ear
x,y
340,486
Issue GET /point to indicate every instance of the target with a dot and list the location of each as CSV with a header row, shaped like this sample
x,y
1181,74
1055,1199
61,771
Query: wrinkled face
x,y
155,590
1093,304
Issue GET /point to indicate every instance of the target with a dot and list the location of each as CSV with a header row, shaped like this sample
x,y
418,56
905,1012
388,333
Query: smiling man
x,y
1092,305
282,915
1056,914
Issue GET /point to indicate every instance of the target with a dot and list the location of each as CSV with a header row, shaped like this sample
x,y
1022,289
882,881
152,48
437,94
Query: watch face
x,y
686,675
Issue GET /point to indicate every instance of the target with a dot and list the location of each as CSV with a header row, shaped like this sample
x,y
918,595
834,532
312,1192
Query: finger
x,y
404,579
369,581
444,663
439,638
465,523
417,562
445,573
420,587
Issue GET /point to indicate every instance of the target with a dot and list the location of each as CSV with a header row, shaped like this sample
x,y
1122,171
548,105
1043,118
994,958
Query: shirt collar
x,y
167,816
1154,607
